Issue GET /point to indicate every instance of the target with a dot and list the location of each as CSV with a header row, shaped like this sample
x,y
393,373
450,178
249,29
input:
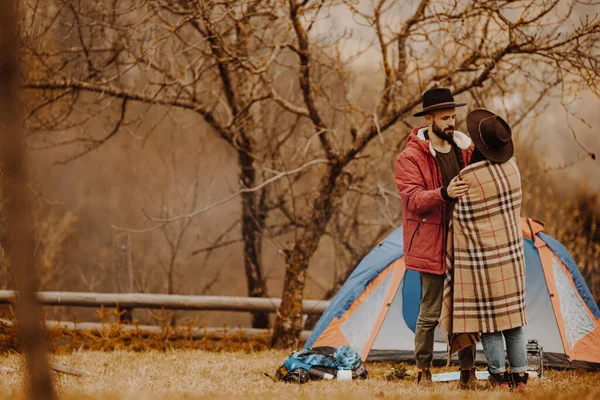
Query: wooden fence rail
x,y
193,332
167,301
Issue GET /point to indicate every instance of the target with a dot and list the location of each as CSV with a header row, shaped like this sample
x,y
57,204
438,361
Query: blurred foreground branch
x,y
19,210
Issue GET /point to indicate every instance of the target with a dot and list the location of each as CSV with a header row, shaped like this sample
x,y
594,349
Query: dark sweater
x,y
449,167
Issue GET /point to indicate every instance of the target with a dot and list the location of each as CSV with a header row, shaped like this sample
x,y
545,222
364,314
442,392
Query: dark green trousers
x,y
429,314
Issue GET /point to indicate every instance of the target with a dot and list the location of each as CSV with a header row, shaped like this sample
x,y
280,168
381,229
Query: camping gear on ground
x,y
375,311
322,362
535,357
344,375
481,375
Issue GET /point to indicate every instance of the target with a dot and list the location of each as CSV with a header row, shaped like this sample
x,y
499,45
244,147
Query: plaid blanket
x,y
484,286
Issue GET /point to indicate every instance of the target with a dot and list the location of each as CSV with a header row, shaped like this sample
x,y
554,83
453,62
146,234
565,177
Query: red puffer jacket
x,y
419,181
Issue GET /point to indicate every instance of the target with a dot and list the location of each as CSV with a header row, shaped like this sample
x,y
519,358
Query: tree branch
x,y
304,79
403,36
387,85
95,144
100,88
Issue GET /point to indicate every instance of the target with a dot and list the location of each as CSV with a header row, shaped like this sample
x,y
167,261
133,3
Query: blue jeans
x,y
516,349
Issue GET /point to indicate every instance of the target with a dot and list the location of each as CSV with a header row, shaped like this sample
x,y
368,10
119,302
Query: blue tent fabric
x,y
563,255
376,261
411,293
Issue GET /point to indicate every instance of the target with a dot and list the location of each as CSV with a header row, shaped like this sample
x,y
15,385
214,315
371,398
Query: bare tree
x,y
19,210
178,53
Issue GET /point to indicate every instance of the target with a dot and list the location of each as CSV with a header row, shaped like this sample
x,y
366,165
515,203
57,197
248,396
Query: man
x,y
426,175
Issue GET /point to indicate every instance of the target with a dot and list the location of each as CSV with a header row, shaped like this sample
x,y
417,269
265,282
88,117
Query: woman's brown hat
x,y
491,135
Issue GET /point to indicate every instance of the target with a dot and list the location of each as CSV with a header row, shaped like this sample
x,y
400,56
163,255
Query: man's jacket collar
x,y
462,140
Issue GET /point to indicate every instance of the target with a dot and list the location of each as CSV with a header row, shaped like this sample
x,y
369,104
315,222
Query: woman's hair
x,y
477,156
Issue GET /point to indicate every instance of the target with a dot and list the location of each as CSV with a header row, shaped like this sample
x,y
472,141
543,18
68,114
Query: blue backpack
x,y
319,363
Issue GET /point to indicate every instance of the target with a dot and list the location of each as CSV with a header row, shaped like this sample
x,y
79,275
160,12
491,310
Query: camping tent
x,y
375,311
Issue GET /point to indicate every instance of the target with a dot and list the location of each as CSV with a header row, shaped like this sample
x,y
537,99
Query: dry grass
x,y
187,374
114,336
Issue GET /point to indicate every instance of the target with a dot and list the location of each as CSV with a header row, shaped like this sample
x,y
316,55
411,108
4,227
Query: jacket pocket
x,y
413,236
426,240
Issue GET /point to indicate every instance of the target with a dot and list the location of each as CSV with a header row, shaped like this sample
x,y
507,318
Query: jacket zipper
x,y
413,237
444,232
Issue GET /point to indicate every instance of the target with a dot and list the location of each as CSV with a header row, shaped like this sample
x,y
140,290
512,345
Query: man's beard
x,y
447,135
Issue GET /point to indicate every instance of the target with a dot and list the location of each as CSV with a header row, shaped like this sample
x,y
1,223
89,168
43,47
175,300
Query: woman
x,y
484,290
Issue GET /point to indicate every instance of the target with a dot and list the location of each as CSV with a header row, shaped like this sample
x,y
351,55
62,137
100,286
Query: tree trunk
x,y
252,225
288,323
19,211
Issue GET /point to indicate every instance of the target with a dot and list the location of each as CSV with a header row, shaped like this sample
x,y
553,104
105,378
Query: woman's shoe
x,y
499,381
519,382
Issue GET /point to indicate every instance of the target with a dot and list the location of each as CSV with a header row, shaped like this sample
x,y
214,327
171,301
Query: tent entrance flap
x,y
578,322
359,326
362,326
399,269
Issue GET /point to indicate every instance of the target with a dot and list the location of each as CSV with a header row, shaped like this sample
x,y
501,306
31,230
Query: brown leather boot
x,y
468,380
424,377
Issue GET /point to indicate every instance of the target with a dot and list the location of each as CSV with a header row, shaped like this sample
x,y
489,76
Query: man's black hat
x,y
437,99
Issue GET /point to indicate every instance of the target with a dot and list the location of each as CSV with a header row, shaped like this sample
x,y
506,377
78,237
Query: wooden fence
x,y
128,301
192,332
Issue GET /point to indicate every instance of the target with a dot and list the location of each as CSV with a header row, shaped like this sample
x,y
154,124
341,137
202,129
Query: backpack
x,y
320,363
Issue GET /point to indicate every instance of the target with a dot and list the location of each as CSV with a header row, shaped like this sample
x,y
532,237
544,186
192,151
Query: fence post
x,y
123,270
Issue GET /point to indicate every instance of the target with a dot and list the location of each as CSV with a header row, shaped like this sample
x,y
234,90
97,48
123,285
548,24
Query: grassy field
x,y
195,374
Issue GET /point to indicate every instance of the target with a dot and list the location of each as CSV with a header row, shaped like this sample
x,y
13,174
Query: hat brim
x,y
498,156
440,107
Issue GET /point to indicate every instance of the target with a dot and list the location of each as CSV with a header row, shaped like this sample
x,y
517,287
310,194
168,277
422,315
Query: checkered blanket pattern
x,y
484,287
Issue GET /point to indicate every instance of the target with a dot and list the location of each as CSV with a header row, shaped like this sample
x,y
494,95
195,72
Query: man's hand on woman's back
x,y
457,188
